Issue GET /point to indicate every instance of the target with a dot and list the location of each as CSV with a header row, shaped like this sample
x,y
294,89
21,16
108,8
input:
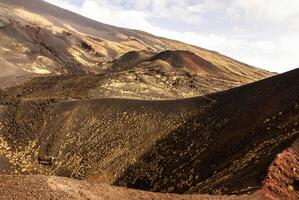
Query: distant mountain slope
x,y
41,39
185,59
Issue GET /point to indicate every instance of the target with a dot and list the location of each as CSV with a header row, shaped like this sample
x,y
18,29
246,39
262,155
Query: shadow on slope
x,y
227,148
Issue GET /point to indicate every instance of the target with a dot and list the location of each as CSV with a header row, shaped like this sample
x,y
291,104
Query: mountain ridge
x,y
82,45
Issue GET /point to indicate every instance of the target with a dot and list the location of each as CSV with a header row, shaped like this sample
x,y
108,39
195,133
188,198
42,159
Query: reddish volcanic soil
x,y
283,176
185,59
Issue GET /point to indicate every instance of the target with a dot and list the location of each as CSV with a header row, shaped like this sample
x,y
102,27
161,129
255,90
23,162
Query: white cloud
x,y
273,11
275,53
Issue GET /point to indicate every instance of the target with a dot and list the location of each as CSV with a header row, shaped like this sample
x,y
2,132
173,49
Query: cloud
x,y
271,11
258,32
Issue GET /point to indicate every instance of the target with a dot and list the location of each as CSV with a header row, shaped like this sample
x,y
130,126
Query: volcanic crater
x,y
93,111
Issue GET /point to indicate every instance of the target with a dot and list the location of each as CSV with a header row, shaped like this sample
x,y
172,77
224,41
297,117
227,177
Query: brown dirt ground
x,y
46,188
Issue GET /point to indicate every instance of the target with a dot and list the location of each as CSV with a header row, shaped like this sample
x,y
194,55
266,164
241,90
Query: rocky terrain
x,y
92,111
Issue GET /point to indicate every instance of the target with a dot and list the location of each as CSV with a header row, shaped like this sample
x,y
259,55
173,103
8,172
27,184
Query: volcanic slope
x,y
223,143
228,147
37,38
167,75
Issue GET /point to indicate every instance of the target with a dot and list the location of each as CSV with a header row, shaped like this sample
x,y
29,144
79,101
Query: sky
x,y
262,33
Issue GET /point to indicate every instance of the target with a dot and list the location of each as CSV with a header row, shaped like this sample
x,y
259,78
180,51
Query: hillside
x,y
39,39
172,146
